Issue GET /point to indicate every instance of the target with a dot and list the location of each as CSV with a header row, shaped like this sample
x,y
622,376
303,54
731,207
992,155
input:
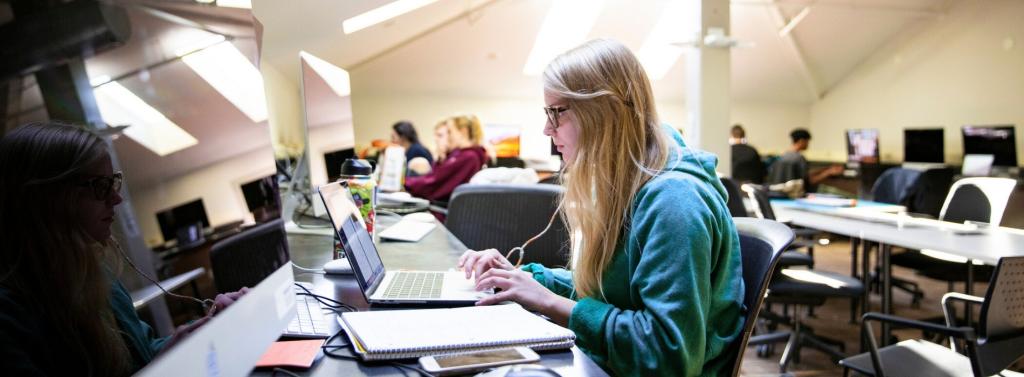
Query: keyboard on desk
x,y
415,284
309,319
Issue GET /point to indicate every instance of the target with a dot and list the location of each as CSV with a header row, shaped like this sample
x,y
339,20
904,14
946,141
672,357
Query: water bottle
x,y
359,176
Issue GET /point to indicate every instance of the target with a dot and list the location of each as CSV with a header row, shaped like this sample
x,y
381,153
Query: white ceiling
x,y
470,48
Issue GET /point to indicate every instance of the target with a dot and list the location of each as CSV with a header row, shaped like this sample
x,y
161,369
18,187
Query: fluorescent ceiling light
x,y
794,21
660,50
119,106
381,14
335,77
566,25
246,4
231,74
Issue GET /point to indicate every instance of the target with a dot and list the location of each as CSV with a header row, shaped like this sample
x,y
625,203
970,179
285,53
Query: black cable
x,y
334,305
282,371
329,350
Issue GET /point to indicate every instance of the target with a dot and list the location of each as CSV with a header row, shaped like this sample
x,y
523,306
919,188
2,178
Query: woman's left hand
x,y
518,286
222,301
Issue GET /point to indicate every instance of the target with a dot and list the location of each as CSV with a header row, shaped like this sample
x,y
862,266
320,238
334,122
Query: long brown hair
x,y
620,147
48,259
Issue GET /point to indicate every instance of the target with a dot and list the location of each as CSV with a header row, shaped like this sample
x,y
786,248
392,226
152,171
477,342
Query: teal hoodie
x,y
674,289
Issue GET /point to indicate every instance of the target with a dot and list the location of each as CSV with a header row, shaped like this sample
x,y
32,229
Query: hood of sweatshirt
x,y
694,162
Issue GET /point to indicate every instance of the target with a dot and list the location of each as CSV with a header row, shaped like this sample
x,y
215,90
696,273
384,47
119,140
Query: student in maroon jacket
x,y
460,157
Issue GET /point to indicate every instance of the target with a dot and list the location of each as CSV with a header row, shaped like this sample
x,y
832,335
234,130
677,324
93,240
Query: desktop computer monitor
x,y
862,145
924,145
998,141
185,215
333,161
261,193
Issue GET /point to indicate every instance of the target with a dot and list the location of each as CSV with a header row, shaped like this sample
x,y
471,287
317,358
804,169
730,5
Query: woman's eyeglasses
x,y
553,112
103,186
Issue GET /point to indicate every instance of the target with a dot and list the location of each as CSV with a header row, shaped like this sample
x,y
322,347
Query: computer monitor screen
x,y
333,161
183,215
998,141
261,193
924,145
862,145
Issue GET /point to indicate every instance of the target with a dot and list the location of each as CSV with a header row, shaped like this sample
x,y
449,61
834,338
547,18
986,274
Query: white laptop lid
x,y
232,342
977,164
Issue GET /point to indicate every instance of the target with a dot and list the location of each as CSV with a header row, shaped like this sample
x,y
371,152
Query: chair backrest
x,y
978,199
504,216
747,166
759,196
930,190
761,244
893,186
244,259
1001,332
735,202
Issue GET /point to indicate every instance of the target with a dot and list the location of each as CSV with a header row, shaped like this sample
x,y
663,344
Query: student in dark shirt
x,y
460,157
747,166
404,134
62,311
792,165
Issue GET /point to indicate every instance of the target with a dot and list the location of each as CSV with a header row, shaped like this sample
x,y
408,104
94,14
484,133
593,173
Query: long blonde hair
x,y
468,124
620,146
48,260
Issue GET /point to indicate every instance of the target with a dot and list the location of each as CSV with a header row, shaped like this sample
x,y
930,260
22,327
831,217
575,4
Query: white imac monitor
x,y
327,108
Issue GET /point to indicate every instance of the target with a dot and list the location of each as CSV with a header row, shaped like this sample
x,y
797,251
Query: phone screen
x,y
478,358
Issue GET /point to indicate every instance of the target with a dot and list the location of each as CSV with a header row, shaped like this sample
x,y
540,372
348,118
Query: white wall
x,y
964,68
217,184
767,124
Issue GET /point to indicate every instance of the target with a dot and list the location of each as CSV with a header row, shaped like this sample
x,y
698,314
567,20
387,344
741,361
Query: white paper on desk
x,y
400,198
407,230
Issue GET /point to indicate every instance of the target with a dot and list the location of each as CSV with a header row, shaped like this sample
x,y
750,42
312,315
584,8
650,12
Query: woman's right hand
x,y
475,263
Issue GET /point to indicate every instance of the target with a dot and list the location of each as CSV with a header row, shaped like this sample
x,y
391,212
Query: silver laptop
x,y
977,165
389,287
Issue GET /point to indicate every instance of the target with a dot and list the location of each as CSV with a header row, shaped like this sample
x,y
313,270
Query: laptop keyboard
x,y
415,284
309,319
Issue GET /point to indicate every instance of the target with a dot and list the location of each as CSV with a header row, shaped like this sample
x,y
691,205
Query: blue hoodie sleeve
x,y
671,245
557,280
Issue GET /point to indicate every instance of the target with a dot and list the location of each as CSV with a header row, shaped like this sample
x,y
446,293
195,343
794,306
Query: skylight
x,y
229,72
566,25
660,50
147,126
381,14
336,78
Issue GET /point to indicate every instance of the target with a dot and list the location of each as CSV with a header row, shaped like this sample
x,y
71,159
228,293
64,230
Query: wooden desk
x,y
439,250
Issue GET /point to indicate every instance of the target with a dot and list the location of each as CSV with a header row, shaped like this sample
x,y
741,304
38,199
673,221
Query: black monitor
x,y
862,145
181,216
333,161
924,145
998,141
261,193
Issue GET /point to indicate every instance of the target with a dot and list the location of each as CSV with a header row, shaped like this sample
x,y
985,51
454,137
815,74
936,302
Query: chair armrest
x,y
949,312
142,297
965,333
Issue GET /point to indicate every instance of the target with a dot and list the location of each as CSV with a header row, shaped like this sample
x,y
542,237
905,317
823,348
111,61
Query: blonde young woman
x,y
62,312
460,157
657,288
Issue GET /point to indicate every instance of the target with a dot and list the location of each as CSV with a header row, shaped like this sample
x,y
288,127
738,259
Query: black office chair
x,y
504,216
761,245
894,187
735,202
997,343
804,237
244,259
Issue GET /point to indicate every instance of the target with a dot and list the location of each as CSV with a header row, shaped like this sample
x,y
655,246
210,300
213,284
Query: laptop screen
x,y
355,239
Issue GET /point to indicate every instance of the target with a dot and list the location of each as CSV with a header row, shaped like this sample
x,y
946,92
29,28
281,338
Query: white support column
x,y
708,94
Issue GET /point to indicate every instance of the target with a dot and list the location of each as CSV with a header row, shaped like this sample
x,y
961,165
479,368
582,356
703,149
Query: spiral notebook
x,y
406,334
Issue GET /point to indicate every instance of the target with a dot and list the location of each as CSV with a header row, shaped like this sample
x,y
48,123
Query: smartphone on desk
x,y
468,362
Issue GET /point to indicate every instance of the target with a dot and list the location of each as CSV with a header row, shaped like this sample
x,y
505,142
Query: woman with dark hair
x,y
62,311
403,133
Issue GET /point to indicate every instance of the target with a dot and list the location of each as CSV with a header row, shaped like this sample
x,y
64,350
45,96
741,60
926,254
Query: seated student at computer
x,y
658,286
62,311
404,134
747,166
461,157
792,165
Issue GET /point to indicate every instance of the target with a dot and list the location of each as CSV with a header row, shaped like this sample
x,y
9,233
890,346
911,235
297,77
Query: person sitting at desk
x,y
404,134
460,156
62,311
793,166
658,286
747,166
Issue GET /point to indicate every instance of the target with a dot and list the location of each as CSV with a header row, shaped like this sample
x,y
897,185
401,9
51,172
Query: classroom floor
x,y
831,320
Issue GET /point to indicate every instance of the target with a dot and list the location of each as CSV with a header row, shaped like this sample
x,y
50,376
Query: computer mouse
x,y
338,267
424,217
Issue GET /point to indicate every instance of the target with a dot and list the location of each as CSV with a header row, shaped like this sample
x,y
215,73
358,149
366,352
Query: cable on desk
x,y
329,351
307,270
335,305
282,371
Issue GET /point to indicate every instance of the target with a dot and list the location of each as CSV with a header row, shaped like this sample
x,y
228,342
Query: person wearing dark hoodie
x,y
461,158
657,287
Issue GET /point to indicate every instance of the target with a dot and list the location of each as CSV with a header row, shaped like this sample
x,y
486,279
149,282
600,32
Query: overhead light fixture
x,y
662,49
229,72
566,25
336,78
381,14
245,4
794,21
149,127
